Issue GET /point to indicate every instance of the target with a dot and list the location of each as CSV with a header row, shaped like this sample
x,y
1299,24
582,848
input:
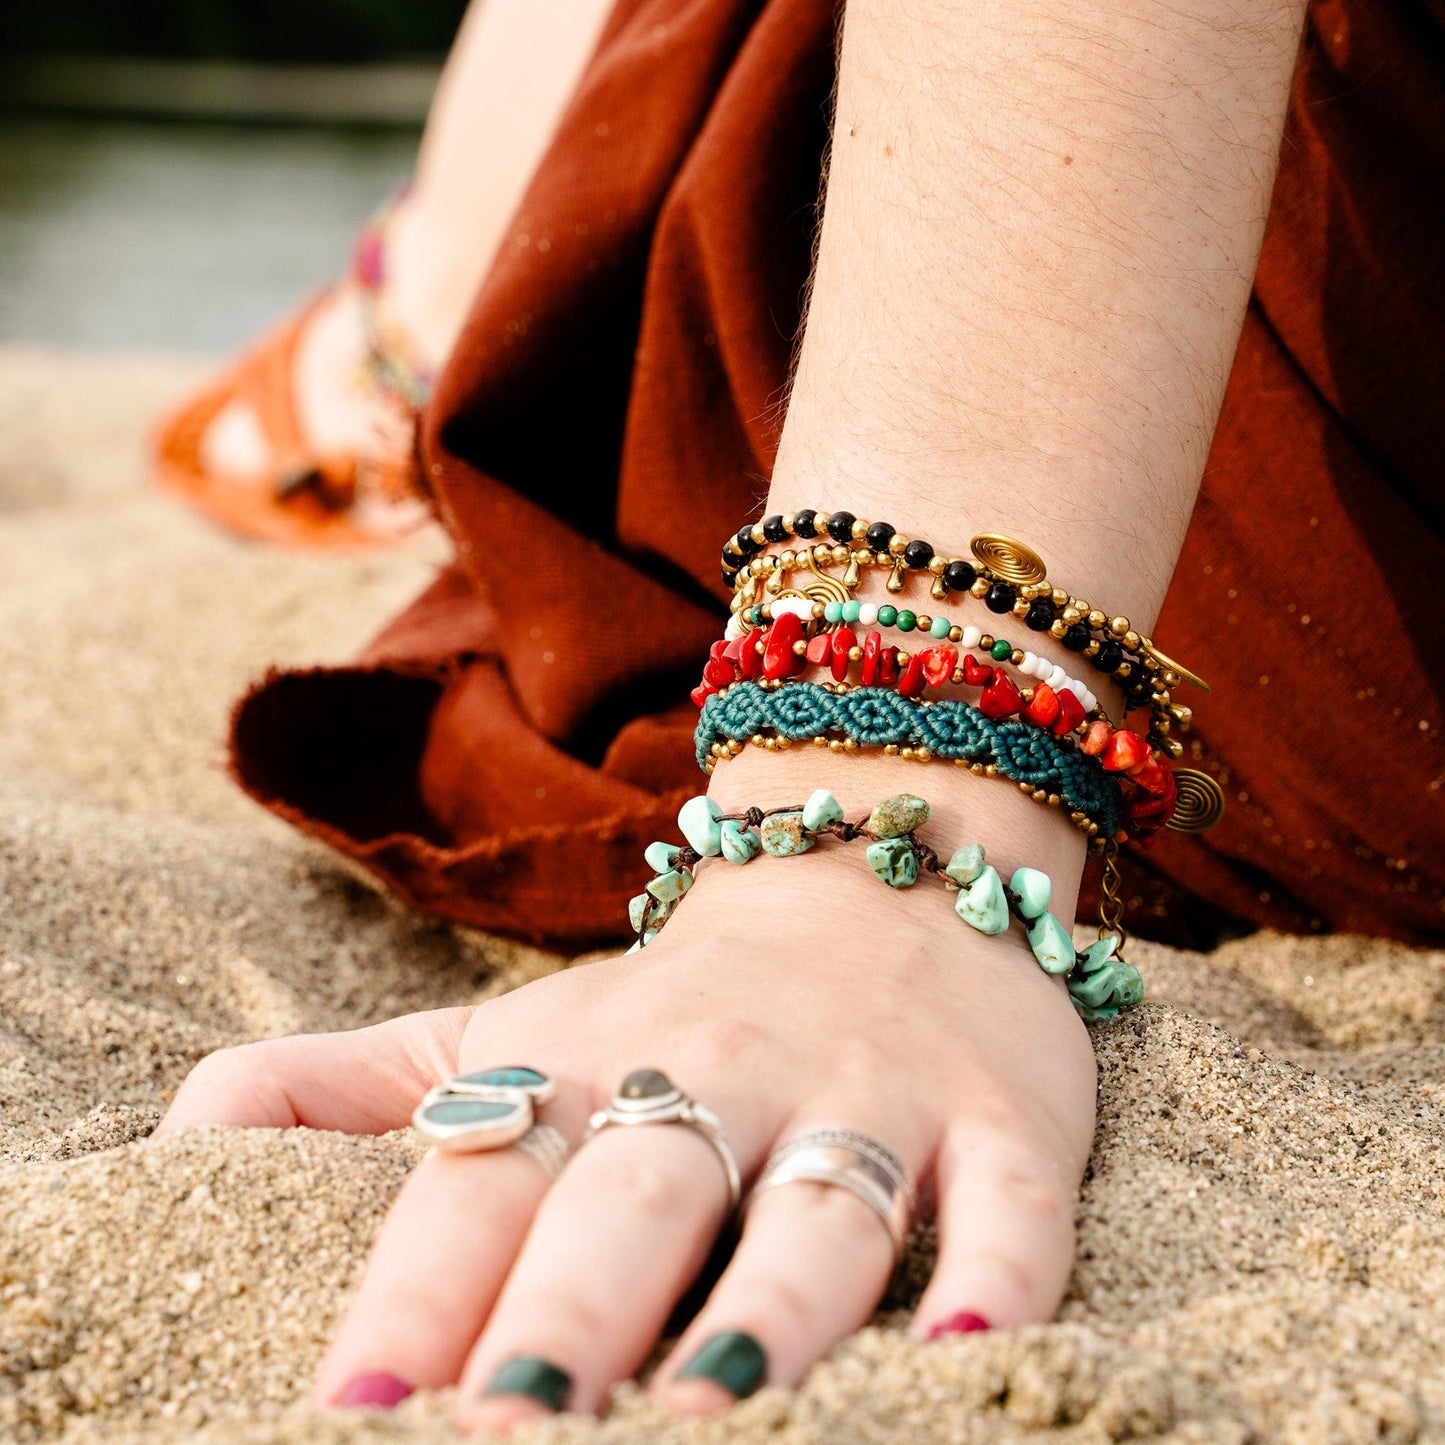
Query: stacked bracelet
x,y
951,731
1099,983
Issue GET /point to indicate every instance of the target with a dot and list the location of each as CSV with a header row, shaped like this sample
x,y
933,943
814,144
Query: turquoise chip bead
x,y
1130,991
1033,889
698,820
1051,944
894,861
784,834
1096,955
821,809
739,844
670,886
643,941
965,865
1096,989
941,628
851,610
661,856
897,815
637,907
983,904
832,612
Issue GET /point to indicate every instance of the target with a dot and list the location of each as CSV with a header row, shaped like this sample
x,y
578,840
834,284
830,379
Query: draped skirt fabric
x,y
504,750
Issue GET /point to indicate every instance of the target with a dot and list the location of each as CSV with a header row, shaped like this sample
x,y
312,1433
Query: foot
x,y
786,995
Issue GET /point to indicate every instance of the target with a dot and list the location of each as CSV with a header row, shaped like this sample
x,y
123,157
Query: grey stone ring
x,y
648,1096
493,1109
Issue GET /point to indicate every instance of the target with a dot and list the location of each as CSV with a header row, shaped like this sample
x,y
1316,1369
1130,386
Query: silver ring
x,y
865,1166
648,1096
491,1109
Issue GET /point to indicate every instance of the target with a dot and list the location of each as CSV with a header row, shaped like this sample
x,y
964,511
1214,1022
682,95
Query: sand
x,y
1262,1232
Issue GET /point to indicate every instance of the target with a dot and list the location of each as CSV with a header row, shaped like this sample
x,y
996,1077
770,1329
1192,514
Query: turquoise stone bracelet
x,y
949,729
1100,984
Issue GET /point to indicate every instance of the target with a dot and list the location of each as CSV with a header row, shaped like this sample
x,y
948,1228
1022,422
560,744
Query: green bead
x,y
966,864
755,615
894,861
851,609
1096,955
739,844
1051,944
1033,889
1001,651
887,615
941,628
907,620
784,835
1130,991
670,886
661,856
832,612
734,1360
983,904
821,809
638,908
1097,988
698,820
895,816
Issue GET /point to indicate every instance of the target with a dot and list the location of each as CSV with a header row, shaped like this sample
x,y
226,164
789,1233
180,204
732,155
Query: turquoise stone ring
x,y
484,1109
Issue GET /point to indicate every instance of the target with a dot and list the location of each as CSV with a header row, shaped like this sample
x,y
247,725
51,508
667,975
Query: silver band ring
x,y
648,1096
492,1109
863,1165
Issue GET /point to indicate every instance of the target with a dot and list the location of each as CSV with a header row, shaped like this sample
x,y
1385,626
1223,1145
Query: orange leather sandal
x,y
304,498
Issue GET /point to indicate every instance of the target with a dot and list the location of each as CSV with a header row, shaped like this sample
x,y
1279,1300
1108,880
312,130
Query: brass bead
x,y
1096,619
890,750
860,529
820,522
855,654
903,658
756,740
1131,640
1040,796
922,755
924,622
985,642
1092,650
1054,800
955,634
1057,629
840,553
906,753
1181,714
990,770
937,566
1016,656
771,744
957,676
938,591
1118,626
1070,615
1021,607
1059,597
1027,694
834,745
799,648
1124,672
788,519
976,769
899,543
1173,747
734,746
863,557
979,588
1172,679
820,741
1025,787
850,745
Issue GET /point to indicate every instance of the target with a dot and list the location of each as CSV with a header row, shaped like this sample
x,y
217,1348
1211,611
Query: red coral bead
x,y
1043,706
938,663
888,667
719,672
975,673
1001,697
1071,712
779,659
1097,738
701,693
734,650
872,650
1125,750
844,639
819,649
750,664
1150,775
910,684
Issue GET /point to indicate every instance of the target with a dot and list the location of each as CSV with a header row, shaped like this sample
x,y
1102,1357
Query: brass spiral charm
x,y
825,588
1200,804
1167,664
1007,560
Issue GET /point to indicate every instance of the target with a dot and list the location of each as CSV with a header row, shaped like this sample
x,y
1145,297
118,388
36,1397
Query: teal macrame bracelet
x,y
1100,984
878,717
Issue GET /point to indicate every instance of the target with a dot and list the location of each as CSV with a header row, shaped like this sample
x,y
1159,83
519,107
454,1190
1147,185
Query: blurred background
x,y
176,173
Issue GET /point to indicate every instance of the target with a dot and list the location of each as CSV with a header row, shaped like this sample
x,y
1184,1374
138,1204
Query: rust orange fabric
x,y
503,752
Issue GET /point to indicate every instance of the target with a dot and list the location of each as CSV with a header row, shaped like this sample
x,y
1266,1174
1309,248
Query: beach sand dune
x,y
1262,1232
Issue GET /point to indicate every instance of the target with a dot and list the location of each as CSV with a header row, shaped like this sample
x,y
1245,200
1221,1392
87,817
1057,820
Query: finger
x,y
1005,1236
615,1243
812,1264
365,1081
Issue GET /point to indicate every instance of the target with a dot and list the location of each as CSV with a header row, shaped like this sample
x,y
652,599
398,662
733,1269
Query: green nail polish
x,y
734,1360
537,1379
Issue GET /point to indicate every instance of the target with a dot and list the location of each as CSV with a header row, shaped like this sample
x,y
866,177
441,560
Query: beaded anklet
x,y
953,731
388,361
1100,984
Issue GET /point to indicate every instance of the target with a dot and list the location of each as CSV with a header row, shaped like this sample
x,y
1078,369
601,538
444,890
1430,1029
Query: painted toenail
x,y
378,1390
963,1323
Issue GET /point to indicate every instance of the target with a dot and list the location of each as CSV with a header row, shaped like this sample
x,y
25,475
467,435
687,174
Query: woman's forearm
x,y
1040,231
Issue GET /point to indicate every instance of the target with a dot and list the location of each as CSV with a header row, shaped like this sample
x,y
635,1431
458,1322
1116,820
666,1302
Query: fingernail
x,y
963,1323
537,1379
379,1390
734,1360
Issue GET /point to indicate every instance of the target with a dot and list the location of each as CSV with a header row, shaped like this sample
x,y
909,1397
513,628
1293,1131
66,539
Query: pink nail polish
x,y
963,1323
378,1390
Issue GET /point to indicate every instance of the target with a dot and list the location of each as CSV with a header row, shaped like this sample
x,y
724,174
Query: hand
x,y
786,995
